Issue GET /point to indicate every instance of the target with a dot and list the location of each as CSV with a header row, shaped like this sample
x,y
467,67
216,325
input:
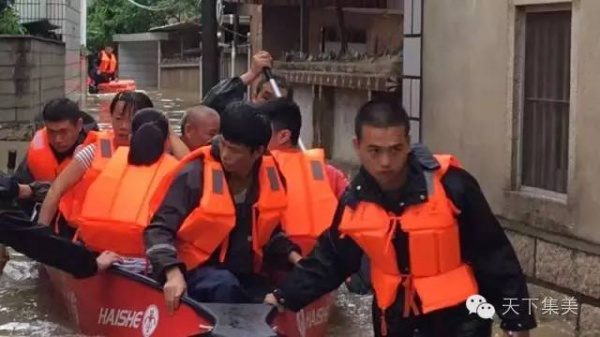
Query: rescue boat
x,y
120,303
114,87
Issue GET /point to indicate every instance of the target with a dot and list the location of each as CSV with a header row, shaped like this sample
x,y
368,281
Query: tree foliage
x,y
109,17
9,19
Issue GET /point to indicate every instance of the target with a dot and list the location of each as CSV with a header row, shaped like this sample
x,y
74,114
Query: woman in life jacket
x,y
115,210
118,197
88,162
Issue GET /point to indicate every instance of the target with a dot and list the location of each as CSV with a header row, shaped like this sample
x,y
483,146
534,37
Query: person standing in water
x,y
432,239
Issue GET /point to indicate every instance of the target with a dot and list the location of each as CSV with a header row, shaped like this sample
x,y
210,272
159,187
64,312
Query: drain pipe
x,y
83,83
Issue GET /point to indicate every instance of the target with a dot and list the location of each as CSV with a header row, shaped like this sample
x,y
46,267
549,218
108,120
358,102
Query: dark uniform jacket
x,y
181,199
484,246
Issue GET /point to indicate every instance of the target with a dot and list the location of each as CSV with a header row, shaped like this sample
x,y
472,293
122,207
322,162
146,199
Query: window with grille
x,y
546,100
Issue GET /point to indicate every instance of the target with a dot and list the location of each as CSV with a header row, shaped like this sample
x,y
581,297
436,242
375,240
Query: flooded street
x,y
27,309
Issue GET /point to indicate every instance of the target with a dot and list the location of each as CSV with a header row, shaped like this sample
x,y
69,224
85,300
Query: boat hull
x,y
116,86
123,304
116,304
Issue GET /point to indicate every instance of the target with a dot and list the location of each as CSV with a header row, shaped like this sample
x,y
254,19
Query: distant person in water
x,y
104,68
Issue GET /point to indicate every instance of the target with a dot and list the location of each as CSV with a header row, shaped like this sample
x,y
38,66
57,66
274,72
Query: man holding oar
x,y
234,89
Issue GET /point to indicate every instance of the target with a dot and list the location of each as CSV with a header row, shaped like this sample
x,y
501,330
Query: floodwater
x,y
27,308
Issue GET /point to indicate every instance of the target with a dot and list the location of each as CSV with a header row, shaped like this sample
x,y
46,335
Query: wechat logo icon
x,y
476,304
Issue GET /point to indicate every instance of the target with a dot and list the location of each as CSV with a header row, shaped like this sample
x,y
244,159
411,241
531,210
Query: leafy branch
x,y
109,17
10,19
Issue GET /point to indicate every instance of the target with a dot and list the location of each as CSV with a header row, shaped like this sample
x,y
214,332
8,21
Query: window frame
x,y
518,88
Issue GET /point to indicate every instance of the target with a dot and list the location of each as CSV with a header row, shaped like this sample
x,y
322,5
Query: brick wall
x,y
32,71
66,14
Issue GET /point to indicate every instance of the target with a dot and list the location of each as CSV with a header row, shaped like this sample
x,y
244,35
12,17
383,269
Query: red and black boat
x,y
119,303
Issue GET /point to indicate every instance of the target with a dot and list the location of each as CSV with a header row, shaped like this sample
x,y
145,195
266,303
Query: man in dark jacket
x,y
228,275
234,89
407,189
103,67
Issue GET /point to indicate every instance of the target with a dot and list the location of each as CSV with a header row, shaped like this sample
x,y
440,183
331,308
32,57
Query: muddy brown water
x,y
28,309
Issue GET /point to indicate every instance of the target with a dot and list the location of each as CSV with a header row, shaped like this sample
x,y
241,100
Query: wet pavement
x,y
27,308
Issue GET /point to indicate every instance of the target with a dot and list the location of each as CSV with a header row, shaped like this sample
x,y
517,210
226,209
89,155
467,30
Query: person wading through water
x,y
429,233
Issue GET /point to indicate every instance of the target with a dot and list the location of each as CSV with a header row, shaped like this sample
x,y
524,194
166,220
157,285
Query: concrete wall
x,y
384,32
184,78
303,96
71,35
139,61
65,14
346,106
31,72
339,122
468,97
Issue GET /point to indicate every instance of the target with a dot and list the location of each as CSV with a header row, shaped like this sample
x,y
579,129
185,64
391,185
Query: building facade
x,y
510,88
330,88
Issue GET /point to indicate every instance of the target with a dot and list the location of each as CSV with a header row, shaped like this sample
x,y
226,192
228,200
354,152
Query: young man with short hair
x,y
429,233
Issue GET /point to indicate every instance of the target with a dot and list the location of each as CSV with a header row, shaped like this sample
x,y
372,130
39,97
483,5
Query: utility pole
x,y
234,41
210,50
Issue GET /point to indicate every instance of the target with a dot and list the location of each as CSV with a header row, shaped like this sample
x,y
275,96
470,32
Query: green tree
x,y
181,10
9,19
109,17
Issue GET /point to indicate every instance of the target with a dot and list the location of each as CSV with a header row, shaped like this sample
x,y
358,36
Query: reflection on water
x,y
27,309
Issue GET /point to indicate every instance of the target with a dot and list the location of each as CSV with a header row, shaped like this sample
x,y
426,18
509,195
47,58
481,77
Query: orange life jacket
x,y
311,200
208,226
41,160
71,201
437,273
115,210
108,63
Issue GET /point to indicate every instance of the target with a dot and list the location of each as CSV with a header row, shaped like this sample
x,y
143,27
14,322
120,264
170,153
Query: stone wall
x,y
32,71
66,14
559,268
